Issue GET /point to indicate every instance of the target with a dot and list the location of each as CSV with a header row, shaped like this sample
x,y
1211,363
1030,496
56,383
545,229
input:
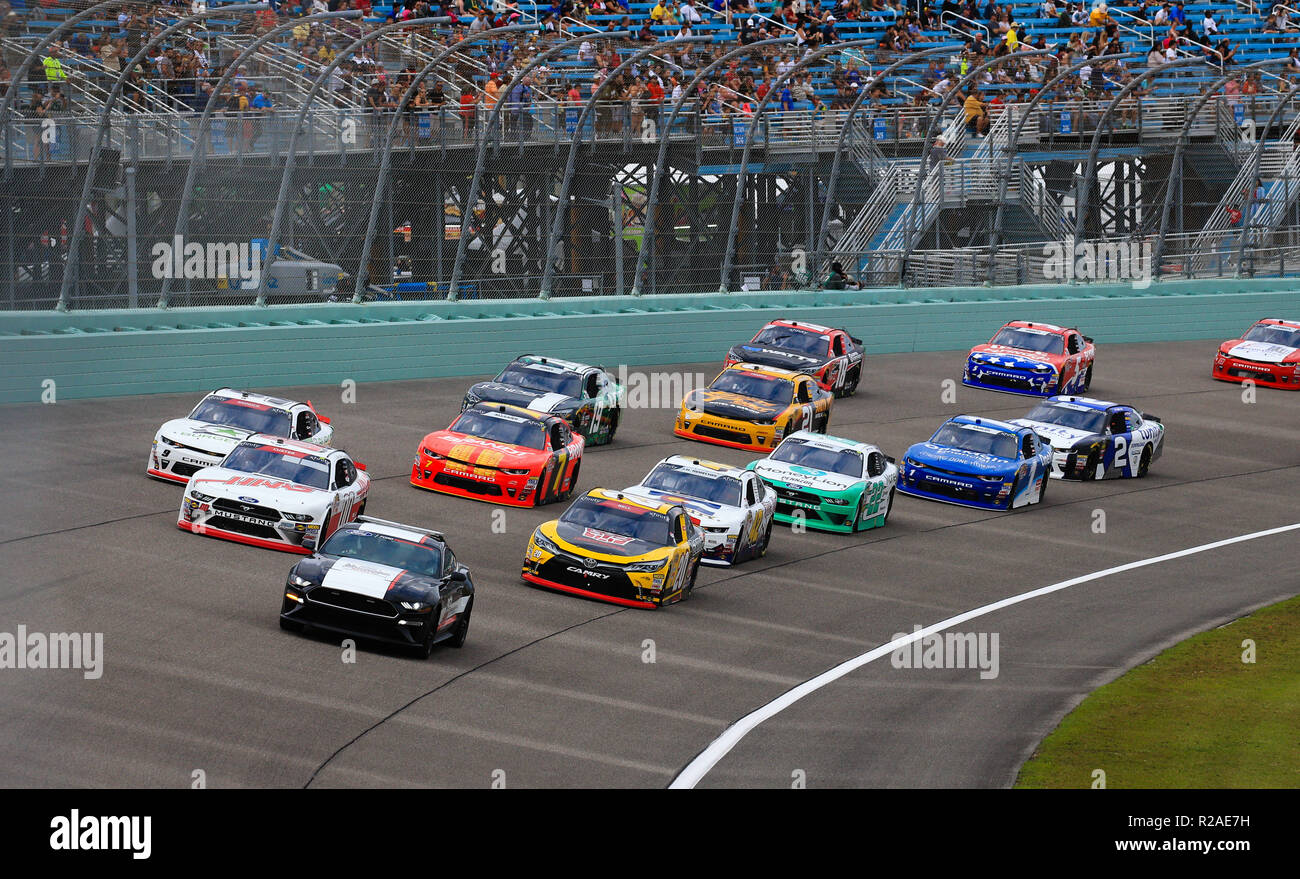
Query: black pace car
x,y
382,581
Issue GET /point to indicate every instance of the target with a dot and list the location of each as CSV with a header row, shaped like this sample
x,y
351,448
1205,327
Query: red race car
x,y
1037,360
832,357
1268,355
501,454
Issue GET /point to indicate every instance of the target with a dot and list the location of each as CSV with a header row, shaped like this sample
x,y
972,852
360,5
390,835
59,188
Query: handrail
x,y
988,34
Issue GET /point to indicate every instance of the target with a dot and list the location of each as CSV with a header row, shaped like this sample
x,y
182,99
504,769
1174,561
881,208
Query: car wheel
x,y
1042,493
1092,469
1087,378
424,649
762,546
690,584
291,625
613,425
462,627
573,481
1144,463
889,506
1015,490
361,510
851,383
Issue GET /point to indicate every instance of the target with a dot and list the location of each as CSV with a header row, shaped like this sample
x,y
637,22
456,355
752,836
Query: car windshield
x,y
678,480
396,552
1273,334
804,341
798,451
547,380
616,517
974,438
279,463
244,414
1070,415
752,384
501,427
1029,340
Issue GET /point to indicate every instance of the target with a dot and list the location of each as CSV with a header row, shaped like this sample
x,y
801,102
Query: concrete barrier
x,y
111,353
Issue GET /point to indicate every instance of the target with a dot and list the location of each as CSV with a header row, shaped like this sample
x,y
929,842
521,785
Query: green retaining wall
x,y
144,351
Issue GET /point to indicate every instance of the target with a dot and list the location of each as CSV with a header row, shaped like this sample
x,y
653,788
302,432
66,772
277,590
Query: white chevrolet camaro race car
x,y
733,507
275,493
222,420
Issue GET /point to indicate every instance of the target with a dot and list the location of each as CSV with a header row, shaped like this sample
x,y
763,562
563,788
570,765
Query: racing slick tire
x,y
889,506
1092,467
761,549
462,627
1144,463
613,424
1042,492
1087,379
850,384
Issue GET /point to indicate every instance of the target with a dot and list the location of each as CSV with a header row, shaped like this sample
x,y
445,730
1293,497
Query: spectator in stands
x,y
977,114
838,280
1208,25
54,70
1178,15
468,111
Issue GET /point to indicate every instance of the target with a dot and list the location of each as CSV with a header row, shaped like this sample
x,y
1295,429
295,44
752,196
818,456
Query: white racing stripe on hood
x,y
547,402
1264,352
363,578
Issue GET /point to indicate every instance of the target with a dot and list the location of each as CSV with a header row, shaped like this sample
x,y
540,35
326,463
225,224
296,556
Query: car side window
x,y
1028,446
307,424
448,561
875,464
557,436
1117,423
592,388
750,496
343,474
801,392
837,346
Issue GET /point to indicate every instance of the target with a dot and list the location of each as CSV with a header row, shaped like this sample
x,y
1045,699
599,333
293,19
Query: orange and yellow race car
x,y
753,407
501,454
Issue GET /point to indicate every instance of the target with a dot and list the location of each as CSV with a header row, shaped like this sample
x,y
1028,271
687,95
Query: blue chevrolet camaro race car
x,y
979,462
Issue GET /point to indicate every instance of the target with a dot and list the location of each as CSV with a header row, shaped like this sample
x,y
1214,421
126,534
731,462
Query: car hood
x,y
603,543
214,439
1059,436
495,392
703,512
725,404
961,461
797,476
263,491
769,355
1013,358
473,449
370,579
1264,352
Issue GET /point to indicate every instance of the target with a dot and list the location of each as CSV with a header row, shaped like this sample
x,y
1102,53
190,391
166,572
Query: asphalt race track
x,y
552,690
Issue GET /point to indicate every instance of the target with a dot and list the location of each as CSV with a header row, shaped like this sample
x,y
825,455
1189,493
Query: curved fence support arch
x,y
923,170
561,204
105,123
728,256
385,163
286,178
648,234
466,211
200,138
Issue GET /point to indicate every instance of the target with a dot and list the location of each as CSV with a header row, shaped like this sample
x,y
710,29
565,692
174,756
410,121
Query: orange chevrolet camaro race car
x,y
501,454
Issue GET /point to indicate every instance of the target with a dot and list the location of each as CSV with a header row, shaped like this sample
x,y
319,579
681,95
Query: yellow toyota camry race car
x,y
753,407
612,547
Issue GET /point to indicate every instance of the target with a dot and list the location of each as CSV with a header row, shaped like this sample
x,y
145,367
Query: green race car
x,y
829,483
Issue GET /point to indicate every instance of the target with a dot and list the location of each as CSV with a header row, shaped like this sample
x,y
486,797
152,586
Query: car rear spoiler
x,y
856,340
371,520
1156,418
1088,339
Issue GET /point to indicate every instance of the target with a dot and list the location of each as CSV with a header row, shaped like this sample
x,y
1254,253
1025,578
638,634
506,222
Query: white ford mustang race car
x,y
275,493
222,420
733,507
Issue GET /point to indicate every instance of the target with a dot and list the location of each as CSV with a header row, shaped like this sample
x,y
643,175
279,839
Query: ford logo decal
x,y
249,500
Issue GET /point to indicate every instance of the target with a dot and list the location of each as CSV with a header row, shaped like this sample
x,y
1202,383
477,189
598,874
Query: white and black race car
x,y
1096,439
383,581
275,493
588,397
833,357
222,420
733,507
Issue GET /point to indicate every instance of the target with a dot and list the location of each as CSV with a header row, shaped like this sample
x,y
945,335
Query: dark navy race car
x,y
832,357
1094,439
979,462
588,397
383,581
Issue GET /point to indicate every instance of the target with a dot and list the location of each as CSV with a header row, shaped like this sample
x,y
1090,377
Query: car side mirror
x,y
457,576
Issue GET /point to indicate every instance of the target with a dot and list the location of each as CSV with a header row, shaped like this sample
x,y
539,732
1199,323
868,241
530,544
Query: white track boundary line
x,y
695,771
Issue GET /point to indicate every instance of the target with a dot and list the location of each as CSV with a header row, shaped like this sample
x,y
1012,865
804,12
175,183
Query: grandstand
x,y
915,145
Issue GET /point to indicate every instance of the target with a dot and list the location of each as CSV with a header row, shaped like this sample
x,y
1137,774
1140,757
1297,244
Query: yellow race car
x,y
611,547
753,407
